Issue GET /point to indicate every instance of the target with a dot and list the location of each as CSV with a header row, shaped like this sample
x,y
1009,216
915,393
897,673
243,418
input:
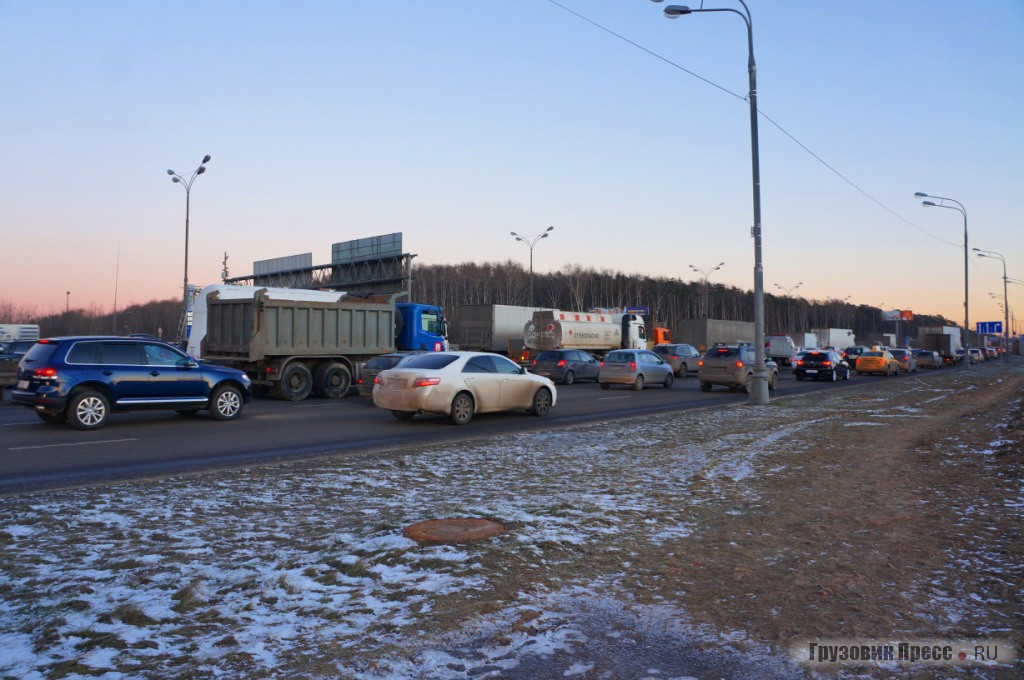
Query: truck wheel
x,y
88,410
462,409
295,384
332,380
541,402
705,387
226,403
638,384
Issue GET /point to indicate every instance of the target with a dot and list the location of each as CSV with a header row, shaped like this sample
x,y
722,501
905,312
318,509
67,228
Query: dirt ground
x,y
869,531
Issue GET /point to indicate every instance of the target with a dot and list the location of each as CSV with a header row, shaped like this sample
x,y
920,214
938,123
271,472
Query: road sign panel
x,y
989,327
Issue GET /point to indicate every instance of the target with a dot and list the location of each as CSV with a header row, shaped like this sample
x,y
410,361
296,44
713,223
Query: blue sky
x,y
457,122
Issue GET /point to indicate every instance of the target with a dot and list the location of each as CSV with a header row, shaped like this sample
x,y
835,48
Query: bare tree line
x,y
508,283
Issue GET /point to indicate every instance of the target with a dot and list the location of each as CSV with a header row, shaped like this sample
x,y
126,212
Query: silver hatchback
x,y
635,367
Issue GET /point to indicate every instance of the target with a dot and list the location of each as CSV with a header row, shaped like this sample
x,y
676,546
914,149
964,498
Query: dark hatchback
x,y
566,366
82,379
821,364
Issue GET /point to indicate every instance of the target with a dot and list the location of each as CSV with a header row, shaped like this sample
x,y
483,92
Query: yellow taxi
x,y
877,361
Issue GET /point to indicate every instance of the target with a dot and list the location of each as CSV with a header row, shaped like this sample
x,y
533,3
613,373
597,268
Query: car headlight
x,y
246,380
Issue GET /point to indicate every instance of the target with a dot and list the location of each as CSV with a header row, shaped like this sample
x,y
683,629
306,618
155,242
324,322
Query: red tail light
x,y
376,380
800,362
602,364
826,363
700,362
425,382
740,364
560,363
534,362
360,381
45,372
632,366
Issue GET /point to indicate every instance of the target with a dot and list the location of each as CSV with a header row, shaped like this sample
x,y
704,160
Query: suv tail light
x,y
826,363
560,363
632,367
45,373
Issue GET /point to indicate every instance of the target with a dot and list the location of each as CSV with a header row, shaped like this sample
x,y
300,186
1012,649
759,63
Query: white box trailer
x,y
490,328
805,340
840,338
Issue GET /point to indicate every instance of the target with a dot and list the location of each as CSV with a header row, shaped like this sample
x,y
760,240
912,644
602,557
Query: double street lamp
x,y
1006,302
186,182
759,380
959,207
789,302
705,274
530,242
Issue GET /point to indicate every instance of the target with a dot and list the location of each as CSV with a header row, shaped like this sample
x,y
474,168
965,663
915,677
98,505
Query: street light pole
x,y
187,184
530,242
789,301
759,380
1006,301
706,274
959,207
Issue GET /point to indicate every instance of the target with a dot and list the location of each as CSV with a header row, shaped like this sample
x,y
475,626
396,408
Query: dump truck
x,y
297,342
779,348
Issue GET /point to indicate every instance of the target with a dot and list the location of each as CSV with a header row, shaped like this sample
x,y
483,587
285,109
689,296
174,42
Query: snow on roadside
x,y
301,569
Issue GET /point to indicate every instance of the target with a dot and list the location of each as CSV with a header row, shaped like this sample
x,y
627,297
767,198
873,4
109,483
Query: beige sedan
x,y
461,384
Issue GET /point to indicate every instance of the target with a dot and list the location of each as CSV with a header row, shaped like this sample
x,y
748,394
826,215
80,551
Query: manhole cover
x,y
452,530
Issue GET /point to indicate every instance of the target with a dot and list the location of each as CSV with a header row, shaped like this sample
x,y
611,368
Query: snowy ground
x,y
301,570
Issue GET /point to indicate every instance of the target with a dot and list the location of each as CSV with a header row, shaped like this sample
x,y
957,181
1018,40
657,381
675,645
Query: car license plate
x,y
22,384
811,370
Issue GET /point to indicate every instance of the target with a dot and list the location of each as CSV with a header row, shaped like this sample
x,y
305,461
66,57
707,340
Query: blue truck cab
x,y
421,327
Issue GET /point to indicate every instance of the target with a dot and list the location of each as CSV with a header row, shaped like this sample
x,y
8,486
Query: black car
x,y
82,379
565,365
821,364
377,365
850,355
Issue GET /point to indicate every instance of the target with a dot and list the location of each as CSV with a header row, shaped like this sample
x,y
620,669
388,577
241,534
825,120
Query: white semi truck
x,y
593,332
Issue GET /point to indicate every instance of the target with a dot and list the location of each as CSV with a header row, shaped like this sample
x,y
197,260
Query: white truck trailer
x,y
592,332
840,338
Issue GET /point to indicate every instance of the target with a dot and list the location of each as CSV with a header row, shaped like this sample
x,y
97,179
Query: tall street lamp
x,y
789,301
187,184
705,275
959,207
530,242
1006,303
759,381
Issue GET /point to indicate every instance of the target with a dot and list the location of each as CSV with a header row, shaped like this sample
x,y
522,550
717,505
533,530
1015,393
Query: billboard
x,y
898,315
373,248
282,264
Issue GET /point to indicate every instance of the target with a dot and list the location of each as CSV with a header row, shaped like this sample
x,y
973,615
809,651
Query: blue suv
x,y
81,380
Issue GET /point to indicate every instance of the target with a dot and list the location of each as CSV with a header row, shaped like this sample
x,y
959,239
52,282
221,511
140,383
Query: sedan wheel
x,y
638,384
669,379
462,409
88,410
832,376
404,415
542,402
773,381
570,378
226,403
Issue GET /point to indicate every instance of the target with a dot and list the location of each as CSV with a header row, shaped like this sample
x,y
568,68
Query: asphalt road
x,y
35,455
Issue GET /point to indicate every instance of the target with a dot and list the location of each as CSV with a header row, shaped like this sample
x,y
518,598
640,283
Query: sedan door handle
x,y
154,373
108,373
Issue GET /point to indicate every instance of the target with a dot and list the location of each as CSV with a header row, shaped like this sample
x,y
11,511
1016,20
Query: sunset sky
x,y
457,122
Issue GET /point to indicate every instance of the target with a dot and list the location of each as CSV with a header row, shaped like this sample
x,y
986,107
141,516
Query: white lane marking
x,y
27,422
50,446
607,398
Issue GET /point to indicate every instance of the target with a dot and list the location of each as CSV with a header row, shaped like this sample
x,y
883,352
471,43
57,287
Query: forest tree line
x,y
508,283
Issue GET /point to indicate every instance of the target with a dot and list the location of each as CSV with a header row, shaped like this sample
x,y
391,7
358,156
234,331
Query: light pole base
x,y
758,390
